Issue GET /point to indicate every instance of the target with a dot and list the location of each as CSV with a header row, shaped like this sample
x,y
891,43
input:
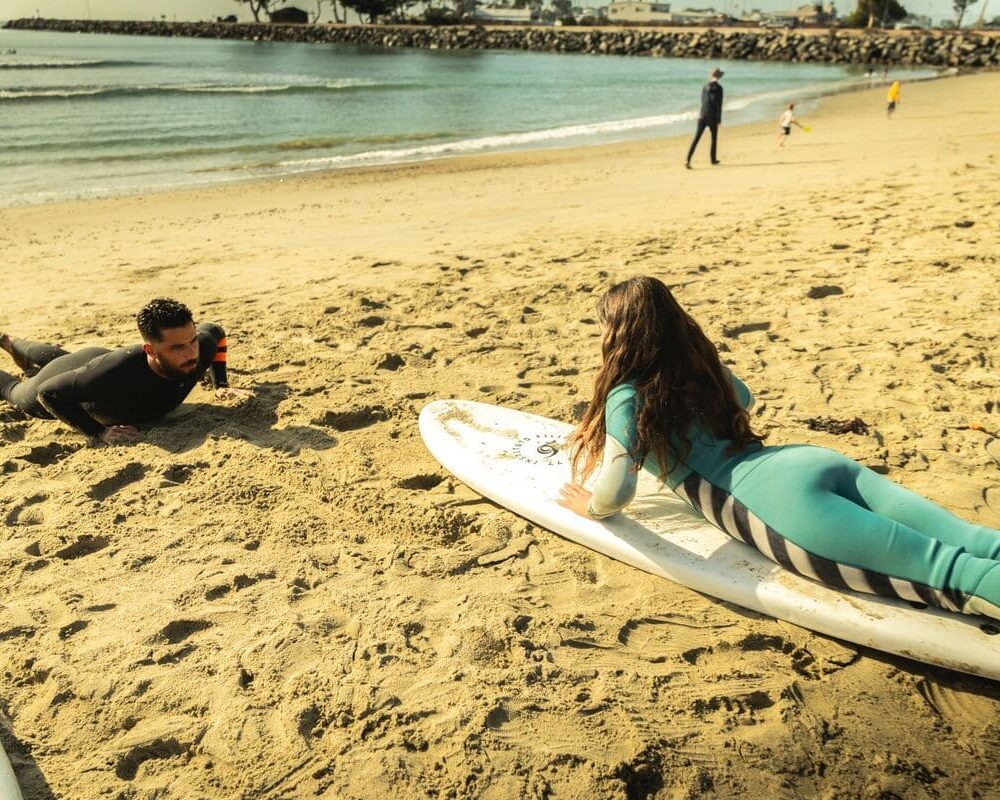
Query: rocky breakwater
x,y
932,48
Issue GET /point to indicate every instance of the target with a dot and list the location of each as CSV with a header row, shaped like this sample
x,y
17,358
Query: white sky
x,y
209,9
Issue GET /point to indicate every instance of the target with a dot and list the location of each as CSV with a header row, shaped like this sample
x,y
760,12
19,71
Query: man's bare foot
x,y
8,347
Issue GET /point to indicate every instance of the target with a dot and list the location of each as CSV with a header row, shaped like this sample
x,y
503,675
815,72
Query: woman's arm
x,y
616,480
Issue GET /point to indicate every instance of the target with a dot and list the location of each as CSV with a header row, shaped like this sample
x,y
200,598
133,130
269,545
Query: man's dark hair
x,y
159,314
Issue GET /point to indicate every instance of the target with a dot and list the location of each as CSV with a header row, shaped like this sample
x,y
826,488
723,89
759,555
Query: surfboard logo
x,y
529,449
548,449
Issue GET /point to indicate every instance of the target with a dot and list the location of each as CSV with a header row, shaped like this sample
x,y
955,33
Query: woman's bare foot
x,y
8,347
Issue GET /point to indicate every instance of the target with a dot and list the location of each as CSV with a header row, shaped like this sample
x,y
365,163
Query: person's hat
x,y
717,73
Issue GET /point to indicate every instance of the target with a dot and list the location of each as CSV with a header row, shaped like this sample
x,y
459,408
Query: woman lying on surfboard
x,y
663,399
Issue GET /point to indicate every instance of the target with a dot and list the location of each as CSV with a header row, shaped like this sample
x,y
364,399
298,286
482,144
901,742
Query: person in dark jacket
x,y
710,116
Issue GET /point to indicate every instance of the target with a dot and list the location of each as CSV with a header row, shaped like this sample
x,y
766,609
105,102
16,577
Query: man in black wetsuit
x,y
710,115
104,393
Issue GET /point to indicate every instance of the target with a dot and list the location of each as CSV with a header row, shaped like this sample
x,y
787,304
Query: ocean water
x,y
92,115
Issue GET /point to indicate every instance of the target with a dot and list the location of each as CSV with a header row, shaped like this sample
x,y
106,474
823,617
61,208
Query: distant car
x,y
909,26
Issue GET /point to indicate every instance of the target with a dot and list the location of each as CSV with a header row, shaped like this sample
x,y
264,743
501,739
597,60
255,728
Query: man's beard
x,y
174,373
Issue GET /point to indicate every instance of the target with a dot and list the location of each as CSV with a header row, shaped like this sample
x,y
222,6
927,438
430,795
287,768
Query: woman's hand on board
x,y
575,498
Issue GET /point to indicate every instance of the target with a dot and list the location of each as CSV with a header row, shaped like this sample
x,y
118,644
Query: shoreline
x,y
598,140
292,598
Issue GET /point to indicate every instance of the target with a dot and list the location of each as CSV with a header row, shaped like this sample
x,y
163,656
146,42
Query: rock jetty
x,y
931,48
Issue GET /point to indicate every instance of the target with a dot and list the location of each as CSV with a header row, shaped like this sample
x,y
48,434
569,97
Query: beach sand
x,y
291,599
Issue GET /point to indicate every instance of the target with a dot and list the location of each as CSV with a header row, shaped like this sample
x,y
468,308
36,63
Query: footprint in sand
x,y
750,327
353,420
128,765
176,474
391,362
25,514
422,483
46,455
238,584
73,628
58,548
970,710
128,474
179,630
13,432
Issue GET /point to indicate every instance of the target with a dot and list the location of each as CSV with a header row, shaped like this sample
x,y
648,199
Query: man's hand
x,y
575,498
119,434
228,393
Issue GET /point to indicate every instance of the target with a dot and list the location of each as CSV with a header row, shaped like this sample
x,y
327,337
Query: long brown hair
x,y
651,342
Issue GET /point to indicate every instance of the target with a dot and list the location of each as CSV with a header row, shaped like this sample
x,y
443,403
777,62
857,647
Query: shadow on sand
x,y
29,776
252,421
731,164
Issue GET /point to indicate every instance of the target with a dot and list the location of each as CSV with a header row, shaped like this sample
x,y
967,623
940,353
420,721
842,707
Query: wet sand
x,y
290,599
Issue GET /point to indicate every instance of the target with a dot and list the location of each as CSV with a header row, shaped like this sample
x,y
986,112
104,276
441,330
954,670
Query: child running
x,y
892,98
785,122
663,400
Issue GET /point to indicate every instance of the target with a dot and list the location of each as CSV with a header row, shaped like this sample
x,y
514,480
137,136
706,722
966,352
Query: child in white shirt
x,y
785,122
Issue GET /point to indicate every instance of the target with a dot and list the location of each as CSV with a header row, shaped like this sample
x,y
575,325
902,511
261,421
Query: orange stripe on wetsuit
x,y
219,363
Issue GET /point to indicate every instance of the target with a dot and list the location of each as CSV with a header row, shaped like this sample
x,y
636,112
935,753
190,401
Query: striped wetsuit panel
x,y
733,518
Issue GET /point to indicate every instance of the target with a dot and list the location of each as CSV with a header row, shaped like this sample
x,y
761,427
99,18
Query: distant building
x,y
595,12
503,14
638,11
291,14
812,14
699,16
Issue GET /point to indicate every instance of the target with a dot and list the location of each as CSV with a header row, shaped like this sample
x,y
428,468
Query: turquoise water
x,y
92,115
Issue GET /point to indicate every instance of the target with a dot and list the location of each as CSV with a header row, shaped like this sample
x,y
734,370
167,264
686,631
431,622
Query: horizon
x,y
197,10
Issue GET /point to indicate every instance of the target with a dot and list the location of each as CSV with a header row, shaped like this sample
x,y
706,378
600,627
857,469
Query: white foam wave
x,y
498,142
192,88
15,94
26,64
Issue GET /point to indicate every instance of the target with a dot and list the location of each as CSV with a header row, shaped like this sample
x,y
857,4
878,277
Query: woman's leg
x,y
890,500
794,510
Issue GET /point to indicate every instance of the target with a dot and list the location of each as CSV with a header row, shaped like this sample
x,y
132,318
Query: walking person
x,y
710,115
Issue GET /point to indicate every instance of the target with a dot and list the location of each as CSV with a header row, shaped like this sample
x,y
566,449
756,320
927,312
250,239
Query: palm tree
x,y
336,10
982,15
960,6
256,6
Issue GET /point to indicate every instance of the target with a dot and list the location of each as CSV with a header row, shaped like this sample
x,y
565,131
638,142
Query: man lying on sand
x,y
103,393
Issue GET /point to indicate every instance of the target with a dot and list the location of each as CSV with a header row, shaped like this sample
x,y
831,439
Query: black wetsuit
x,y
94,388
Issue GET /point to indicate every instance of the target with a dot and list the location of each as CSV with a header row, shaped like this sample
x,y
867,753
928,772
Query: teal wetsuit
x,y
815,512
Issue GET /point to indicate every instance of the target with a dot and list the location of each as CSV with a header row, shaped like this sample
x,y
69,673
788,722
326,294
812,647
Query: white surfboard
x,y
520,460
8,783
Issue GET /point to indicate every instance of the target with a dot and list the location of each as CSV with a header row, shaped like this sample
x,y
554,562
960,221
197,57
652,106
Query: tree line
x,y
868,14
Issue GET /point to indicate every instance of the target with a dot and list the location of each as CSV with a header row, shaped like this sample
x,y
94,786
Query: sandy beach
x,y
291,599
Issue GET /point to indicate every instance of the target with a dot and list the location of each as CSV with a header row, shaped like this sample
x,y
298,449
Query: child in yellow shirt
x,y
892,98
